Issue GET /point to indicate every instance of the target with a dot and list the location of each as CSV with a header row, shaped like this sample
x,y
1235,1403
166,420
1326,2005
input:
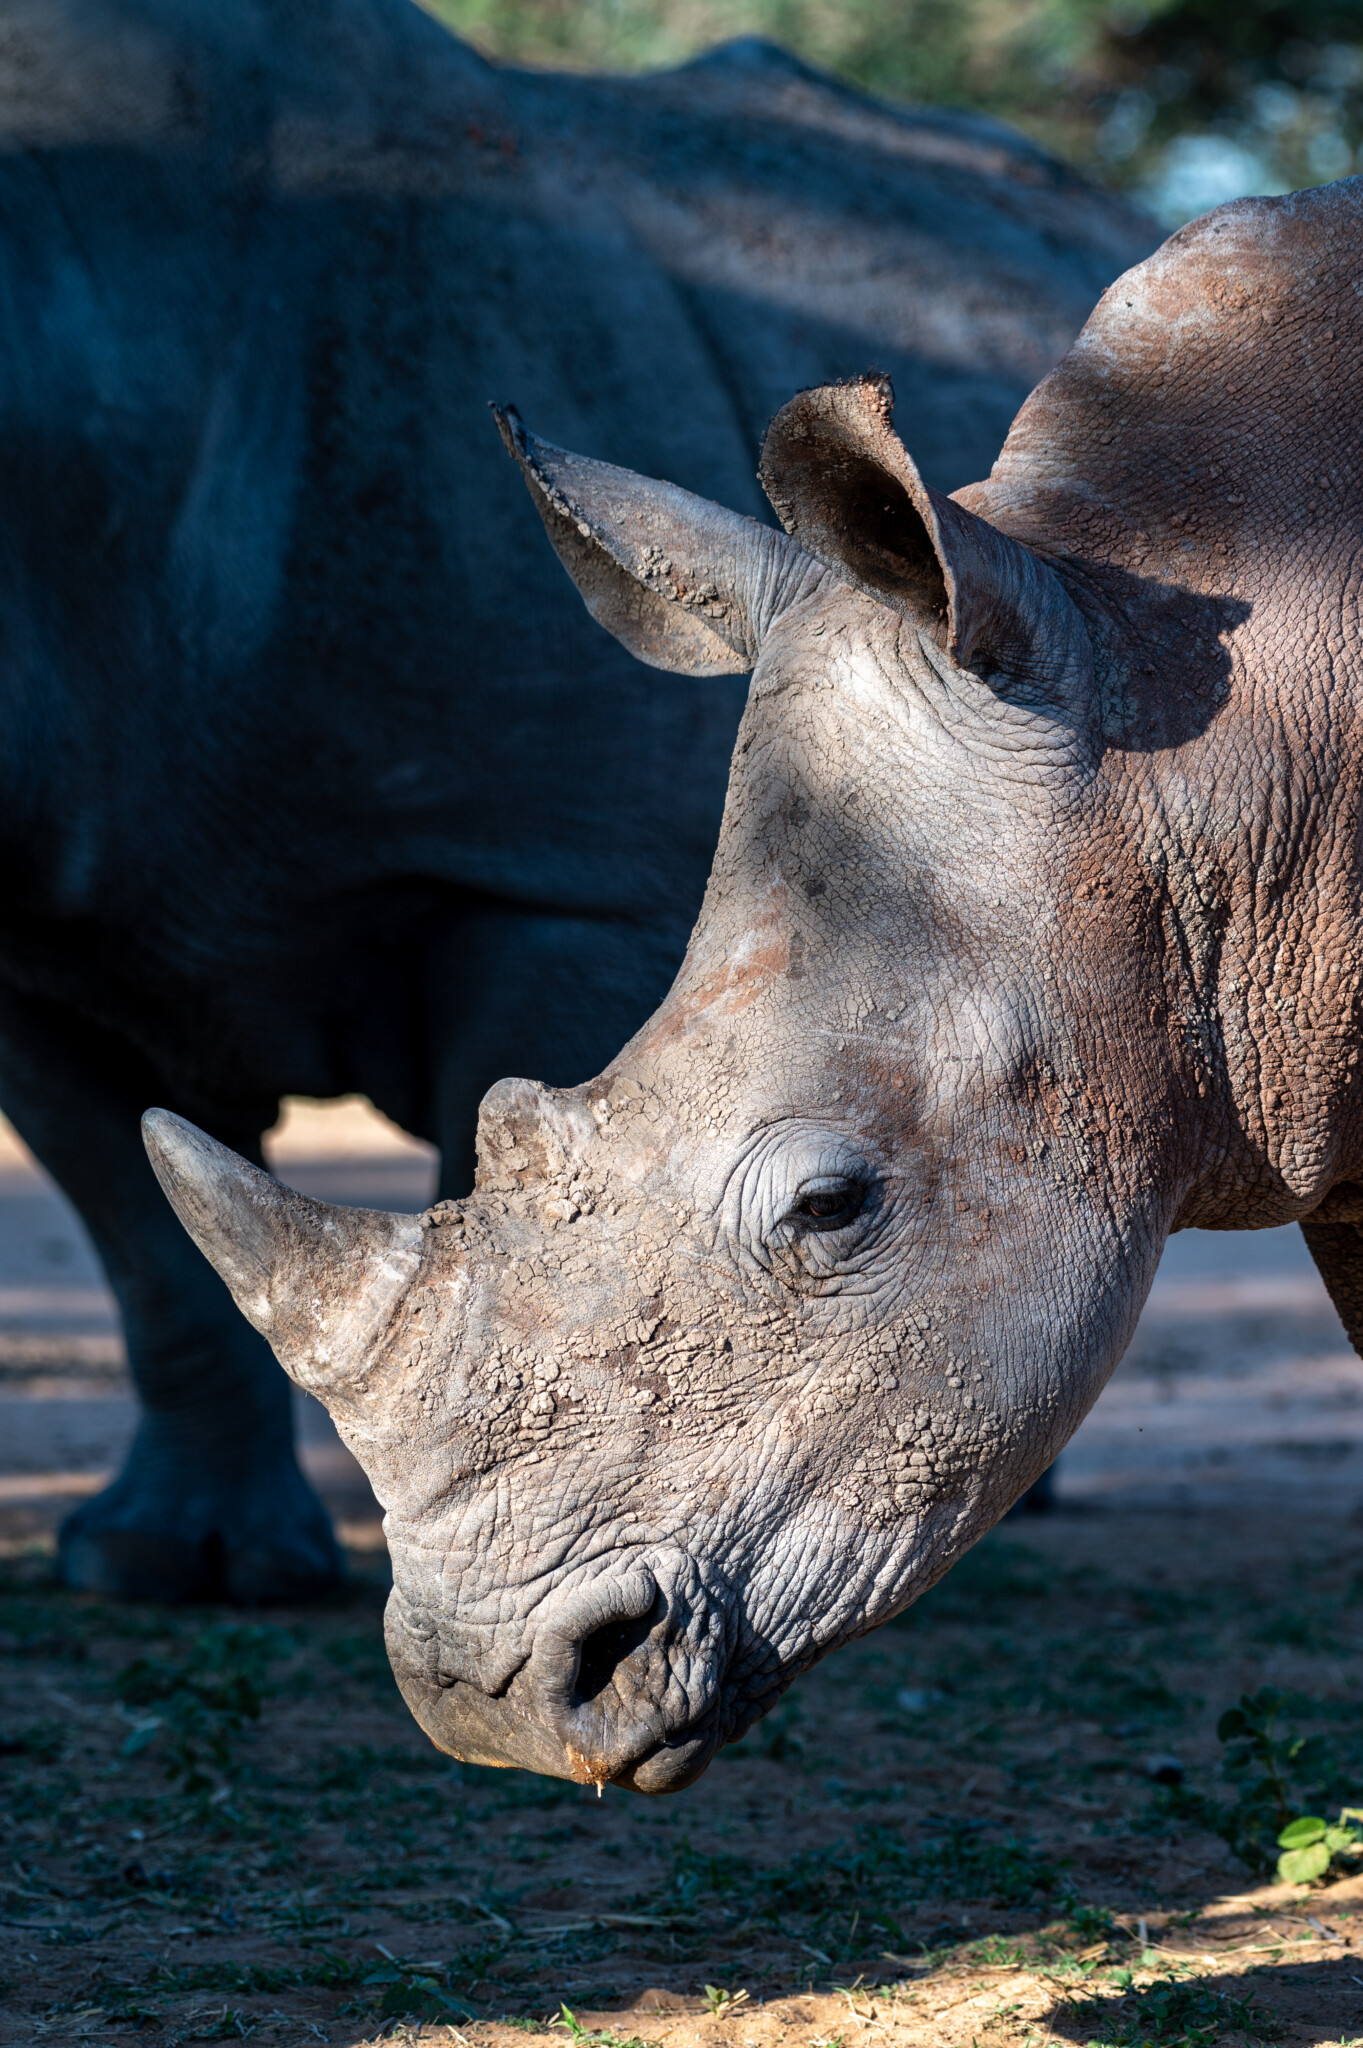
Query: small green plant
x,y
410,1991
226,2025
997,1952
964,1866
1311,1845
721,2002
202,1704
584,2037
1262,1762
1089,1923
1249,1730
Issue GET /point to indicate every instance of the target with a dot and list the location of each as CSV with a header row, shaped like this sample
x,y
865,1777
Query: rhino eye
x,y
831,1206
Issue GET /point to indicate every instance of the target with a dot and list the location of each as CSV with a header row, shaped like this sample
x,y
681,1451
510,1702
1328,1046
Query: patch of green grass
x,y
965,1865
407,1991
986,1587
1172,2013
242,1978
996,1952
224,2026
203,1700
878,1869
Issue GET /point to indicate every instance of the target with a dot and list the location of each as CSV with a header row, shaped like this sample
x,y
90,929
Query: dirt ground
x,y
1005,1821
991,1824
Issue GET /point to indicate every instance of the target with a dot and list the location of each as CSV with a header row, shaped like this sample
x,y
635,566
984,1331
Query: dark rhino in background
x,y
316,776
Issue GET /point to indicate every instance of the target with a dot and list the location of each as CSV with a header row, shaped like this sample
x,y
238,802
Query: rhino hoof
x,y
249,1543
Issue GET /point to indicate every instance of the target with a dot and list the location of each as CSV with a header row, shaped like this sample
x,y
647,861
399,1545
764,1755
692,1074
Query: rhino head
x,y
733,1350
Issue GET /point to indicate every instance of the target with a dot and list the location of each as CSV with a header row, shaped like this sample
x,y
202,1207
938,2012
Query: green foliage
x,y
411,1991
878,1870
720,2002
1263,1764
203,1701
964,1865
1276,86
996,1654
1257,1755
1170,2013
584,2037
1311,1845
1090,1923
1283,78
224,2026
325,1970
1278,1773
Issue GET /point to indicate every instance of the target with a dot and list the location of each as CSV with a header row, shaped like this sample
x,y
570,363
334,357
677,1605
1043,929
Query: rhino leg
x,y
210,1503
1337,1249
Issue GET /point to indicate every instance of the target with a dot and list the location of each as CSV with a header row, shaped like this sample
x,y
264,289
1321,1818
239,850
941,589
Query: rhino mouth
x,y
624,1683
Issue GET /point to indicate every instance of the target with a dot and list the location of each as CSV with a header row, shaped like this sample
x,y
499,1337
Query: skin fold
x,y
1032,936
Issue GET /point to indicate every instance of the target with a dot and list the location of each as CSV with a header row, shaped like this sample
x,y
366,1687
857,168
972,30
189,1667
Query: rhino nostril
x,y
606,1649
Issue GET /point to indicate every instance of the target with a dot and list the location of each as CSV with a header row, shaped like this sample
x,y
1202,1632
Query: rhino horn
x,y
319,1281
683,583
843,484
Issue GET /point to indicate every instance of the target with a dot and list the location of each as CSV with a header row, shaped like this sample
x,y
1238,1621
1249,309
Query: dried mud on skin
x,y
949,1835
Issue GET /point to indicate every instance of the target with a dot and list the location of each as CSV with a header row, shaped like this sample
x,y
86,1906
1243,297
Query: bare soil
x,y
990,1824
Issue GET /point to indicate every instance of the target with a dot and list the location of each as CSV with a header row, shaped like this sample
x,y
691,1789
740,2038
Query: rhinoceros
x,y
316,777
1033,935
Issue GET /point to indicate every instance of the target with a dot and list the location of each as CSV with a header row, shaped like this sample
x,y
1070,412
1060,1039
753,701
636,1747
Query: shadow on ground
x,y
1003,1819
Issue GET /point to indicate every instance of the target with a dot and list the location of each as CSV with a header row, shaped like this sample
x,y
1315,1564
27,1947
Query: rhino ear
x,y
844,486
684,584
318,1281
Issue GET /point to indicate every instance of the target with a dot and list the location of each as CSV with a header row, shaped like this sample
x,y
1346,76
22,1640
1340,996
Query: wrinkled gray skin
x,y
314,774
1032,935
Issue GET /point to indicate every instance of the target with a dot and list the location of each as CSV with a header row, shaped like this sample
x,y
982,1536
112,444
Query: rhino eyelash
x,y
830,1208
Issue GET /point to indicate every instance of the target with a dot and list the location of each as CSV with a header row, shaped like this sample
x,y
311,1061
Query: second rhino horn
x,y
319,1281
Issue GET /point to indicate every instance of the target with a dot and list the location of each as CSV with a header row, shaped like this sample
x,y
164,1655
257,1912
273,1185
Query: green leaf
x,y
1231,1724
1299,1834
1341,1841
140,1737
1303,1866
456,2006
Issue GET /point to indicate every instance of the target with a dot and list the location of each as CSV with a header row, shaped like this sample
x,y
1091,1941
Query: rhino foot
x,y
158,1534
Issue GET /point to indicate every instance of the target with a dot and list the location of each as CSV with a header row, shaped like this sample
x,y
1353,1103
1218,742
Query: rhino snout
x,y
626,1670
623,1683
